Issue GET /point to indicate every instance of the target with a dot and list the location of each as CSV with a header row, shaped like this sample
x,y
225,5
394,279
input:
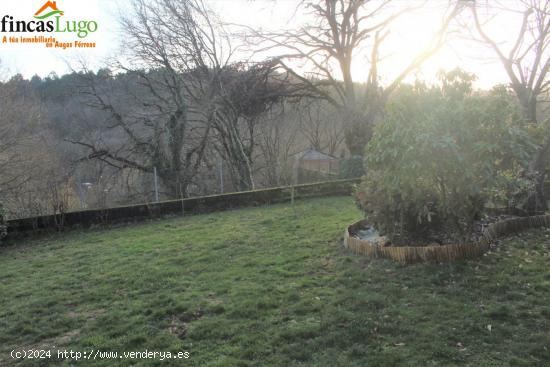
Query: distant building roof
x,y
313,155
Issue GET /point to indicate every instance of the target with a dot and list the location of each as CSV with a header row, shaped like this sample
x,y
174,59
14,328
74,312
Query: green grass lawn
x,y
271,286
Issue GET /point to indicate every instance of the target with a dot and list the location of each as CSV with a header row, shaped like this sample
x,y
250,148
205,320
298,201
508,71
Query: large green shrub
x,y
439,156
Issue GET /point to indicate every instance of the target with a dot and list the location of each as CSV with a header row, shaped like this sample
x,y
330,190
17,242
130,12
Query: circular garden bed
x,y
440,253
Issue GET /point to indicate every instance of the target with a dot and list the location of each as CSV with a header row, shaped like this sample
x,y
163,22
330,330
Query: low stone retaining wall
x,y
445,253
203,204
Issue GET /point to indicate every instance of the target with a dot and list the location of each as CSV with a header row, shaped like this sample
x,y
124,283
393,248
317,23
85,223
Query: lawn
x,y
270,286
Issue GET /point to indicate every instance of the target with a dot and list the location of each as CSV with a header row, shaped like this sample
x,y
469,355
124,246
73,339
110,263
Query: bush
x,y
352,167
441,154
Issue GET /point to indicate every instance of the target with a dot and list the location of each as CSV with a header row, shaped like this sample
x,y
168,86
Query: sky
x,y
406,39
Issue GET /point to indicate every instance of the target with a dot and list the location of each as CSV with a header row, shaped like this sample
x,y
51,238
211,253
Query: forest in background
x,y
47,169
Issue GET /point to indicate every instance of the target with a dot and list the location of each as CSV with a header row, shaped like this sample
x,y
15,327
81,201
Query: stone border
x,y
445,253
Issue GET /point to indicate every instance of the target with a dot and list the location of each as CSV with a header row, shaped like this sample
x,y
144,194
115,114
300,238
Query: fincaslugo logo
x,y
48,19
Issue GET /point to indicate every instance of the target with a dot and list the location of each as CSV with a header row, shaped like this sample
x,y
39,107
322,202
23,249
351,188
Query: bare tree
x,y
320,125
328,46
173,58
19,116
527,63
32,177
247,92
19,120
278,136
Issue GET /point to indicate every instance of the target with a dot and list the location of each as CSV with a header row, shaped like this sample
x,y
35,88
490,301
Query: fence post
x,y
294,182
156,185
221,176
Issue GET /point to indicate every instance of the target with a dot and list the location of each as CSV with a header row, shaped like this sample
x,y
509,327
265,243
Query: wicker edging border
x,y
445,253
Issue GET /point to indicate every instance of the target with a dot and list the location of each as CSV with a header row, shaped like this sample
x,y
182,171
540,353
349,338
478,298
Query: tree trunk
x,y
536,200
174,186
528,104
243,176
358,132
